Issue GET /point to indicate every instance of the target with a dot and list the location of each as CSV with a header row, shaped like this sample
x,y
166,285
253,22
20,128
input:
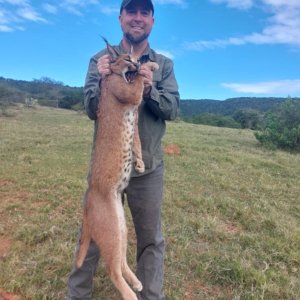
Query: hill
x,y
228,107
45,90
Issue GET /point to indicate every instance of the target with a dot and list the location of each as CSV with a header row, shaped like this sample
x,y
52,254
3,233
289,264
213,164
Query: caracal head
x,y
125,65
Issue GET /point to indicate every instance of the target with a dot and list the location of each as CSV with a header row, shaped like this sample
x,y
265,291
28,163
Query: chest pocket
x,y
156,78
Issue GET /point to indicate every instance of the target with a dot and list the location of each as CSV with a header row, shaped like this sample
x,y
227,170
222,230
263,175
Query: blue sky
x,y
221,48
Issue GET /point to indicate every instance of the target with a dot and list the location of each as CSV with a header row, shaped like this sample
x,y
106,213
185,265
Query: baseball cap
x,y
146,2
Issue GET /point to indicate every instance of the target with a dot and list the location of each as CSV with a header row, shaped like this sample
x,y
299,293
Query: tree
x,y
213,120
70,98
248,118
4,93
282,127
48,80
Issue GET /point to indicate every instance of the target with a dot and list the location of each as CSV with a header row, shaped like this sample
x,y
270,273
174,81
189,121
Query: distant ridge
x,y
229,106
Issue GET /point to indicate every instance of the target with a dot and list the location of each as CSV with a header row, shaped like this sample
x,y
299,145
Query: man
x,y
145,191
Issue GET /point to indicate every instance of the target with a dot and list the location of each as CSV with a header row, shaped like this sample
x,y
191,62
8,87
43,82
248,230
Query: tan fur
x,y
117,139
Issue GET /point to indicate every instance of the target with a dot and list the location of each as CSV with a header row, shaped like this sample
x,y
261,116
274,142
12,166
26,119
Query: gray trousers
x,y
144,196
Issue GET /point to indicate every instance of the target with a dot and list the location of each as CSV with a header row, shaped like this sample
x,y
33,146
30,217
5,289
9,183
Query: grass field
x,y
231,211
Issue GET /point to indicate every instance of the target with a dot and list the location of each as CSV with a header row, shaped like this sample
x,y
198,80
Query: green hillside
x,y
229,106
230,216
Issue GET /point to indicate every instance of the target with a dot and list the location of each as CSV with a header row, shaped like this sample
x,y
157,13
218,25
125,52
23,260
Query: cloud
x,y
28,13
165,53
51,9
110,10
240,4
5,28
283,27
283,87
75,7
175,2
16,12
15,2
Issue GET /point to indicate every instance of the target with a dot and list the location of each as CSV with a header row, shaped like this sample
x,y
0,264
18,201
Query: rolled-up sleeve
x,y
164,96
92,89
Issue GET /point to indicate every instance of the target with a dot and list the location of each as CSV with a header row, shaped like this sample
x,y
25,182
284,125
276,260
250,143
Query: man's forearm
x,y
92,90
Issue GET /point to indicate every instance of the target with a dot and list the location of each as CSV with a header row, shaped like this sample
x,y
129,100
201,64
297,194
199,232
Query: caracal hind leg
x,y
107,235
129,275
126,271
115,273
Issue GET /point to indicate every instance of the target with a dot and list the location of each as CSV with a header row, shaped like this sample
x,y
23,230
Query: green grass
x,y
231,210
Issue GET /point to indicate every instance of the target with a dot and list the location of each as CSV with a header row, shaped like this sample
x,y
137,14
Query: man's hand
x,y
103,65
148,81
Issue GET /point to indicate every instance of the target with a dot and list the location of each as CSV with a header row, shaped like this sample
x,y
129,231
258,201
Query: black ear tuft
x,y
112,52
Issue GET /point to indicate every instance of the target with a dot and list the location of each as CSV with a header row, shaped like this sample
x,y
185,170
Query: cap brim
x,y
125,3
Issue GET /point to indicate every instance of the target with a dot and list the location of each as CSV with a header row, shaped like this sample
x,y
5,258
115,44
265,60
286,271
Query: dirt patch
x,y
5,244
5,182
6,296
192,291
15,197
172,149
11,192
230,228
12,204
196,286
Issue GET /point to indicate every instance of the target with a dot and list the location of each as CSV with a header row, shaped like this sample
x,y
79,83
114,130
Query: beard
x,y
136,39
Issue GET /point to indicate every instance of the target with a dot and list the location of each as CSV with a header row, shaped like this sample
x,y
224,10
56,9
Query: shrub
x,y
282,127
248,118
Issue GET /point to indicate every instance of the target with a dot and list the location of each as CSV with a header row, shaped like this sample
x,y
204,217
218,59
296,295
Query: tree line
x,y
45,90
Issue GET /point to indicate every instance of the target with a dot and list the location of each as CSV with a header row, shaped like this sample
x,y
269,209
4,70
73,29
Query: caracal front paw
x,y
139,166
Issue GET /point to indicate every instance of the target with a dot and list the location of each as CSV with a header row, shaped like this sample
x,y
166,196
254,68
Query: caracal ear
x,y
130,50
132,57
112,52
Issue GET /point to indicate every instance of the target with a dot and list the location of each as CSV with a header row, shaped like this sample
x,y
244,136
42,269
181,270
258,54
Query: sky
x,y
220,48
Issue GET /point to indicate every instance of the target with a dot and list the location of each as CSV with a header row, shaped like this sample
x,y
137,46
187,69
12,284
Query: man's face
x,y
136,23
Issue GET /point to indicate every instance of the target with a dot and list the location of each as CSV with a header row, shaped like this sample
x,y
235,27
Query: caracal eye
x,y
128,59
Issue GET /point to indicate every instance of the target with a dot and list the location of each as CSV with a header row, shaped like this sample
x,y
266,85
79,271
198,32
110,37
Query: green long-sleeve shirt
x,y
161,105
